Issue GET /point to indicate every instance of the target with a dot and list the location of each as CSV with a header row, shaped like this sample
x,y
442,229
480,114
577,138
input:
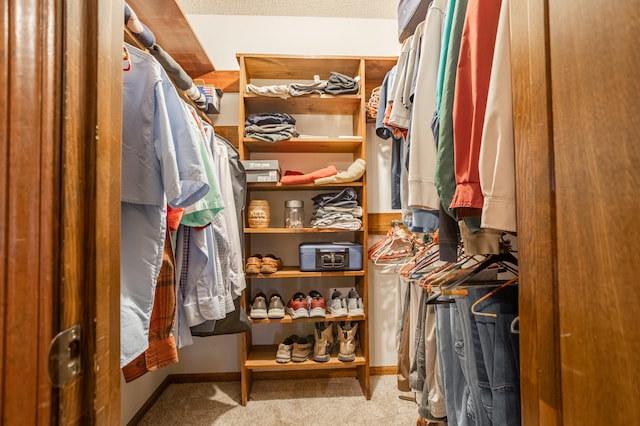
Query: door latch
x,y
64,356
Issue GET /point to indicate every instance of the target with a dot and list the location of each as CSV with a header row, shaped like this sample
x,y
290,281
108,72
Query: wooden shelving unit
x,y
278,69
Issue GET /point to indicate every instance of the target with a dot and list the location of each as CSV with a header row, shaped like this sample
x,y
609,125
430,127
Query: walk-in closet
x,y
411,212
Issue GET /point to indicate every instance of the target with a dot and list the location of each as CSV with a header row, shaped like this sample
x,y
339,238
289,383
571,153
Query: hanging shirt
x,y
422,192
202,212
235,270
153,175
497,153
472,86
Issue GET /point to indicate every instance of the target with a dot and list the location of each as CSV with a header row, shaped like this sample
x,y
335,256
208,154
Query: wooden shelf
x,y
174,34
328,145
263,186
295,272
288,320
349,110
296,231
296,67
263,357
307,104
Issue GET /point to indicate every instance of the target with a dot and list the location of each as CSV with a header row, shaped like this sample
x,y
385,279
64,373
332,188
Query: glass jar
x,y
294,214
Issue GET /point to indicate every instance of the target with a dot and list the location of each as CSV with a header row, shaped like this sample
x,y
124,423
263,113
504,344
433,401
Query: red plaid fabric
x,y
162,347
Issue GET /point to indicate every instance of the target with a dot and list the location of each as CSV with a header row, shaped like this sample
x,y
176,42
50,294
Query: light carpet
x,y
326,401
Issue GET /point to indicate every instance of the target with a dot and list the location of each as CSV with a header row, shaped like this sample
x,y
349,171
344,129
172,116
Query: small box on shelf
x,y
262,170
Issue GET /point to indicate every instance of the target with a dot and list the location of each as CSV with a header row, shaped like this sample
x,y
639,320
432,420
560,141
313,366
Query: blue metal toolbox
x,y
330,257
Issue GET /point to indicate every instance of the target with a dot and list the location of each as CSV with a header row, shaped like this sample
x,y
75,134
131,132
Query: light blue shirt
x,y
160,165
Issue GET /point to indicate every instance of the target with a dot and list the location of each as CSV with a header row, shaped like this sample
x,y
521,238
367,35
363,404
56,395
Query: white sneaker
x,y
354,303
283,355
338,306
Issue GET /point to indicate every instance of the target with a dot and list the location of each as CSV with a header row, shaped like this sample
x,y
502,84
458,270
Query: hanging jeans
x,y
425,372
500,355
455,391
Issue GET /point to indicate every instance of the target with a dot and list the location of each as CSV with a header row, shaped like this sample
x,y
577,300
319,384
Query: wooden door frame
x,y
59,206
29,169
538,289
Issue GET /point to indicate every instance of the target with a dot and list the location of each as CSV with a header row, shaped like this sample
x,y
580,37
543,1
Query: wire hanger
x,y
486,296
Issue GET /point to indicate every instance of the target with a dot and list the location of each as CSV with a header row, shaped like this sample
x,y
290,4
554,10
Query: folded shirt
x,y
345,198
295,178
269,118
327,210
341,84
338,220
274,91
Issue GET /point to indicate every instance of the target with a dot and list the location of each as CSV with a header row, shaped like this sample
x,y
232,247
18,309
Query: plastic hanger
x,y
397,248
126,59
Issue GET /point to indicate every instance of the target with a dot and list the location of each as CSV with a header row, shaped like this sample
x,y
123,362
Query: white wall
x,y
222,37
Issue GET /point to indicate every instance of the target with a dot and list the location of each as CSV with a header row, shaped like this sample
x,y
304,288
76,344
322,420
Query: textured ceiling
x,y
384,9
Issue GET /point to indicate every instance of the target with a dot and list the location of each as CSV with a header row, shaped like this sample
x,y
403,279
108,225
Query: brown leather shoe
x,y
270,264
253,265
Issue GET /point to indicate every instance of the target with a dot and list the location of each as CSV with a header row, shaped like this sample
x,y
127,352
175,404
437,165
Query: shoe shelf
x,y
295,272
323,117
305,145
288,320
263,357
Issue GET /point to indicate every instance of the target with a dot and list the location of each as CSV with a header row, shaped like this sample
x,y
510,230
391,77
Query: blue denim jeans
x,y
500,355
466,341
455,390
396,171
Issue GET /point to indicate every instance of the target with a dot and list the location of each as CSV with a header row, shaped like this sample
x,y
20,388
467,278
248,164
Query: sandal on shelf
x,y
253,265
270,264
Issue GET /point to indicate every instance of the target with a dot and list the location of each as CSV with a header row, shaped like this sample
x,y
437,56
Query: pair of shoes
x,y
311,306
343,306
259,309
294,348
258,264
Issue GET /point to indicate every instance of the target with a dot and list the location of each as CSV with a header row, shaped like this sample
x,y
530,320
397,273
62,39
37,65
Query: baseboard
x,y
258,375
205,377
384,371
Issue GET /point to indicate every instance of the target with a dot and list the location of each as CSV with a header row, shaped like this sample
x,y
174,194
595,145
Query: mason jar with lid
x,y
294,214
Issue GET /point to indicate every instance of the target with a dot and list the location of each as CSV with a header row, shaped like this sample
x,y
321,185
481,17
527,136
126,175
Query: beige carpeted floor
x,y
317,402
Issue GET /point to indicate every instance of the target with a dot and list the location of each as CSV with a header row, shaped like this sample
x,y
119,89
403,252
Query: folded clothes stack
x,y
270,126
337,210
337,84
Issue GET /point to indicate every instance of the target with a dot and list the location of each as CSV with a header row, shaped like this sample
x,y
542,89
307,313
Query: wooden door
x,y
59,206
595,63
575,82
